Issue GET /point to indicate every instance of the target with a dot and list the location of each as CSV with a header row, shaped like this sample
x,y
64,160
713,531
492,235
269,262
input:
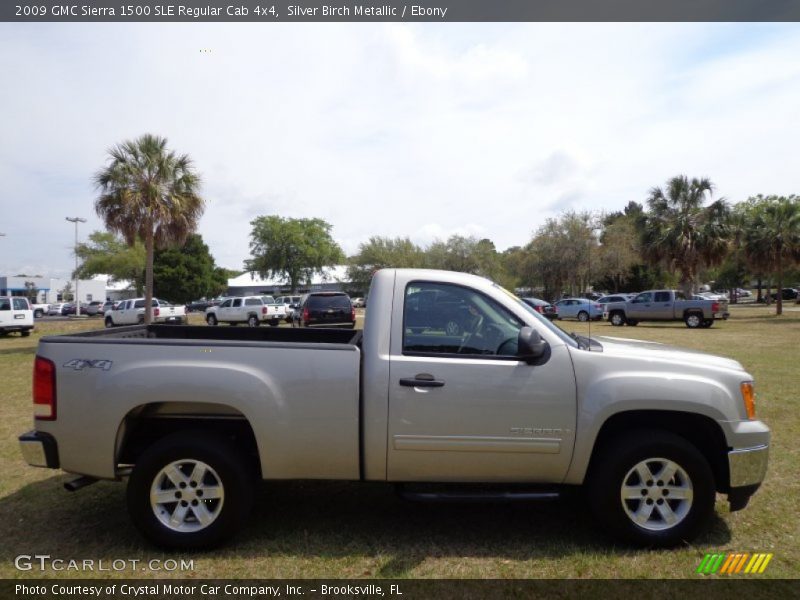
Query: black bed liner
x,y
222,334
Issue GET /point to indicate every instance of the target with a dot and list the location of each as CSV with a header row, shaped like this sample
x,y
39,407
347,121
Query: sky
x,y
418,130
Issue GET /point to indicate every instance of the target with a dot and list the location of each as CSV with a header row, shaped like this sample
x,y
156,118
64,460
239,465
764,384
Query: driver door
x,y
463,407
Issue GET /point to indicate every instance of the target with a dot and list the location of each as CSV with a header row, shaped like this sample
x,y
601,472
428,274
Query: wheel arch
x,y
699,430
148,423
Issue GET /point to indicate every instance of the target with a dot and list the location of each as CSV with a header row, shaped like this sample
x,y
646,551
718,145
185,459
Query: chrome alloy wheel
x,y
187,495
657,494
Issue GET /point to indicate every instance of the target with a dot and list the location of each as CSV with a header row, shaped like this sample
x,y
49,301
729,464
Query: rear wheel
x,y
652,488
617,319
452,328
274,322
693,320
25,333
212,320
583,316
189,491
38,313
252,321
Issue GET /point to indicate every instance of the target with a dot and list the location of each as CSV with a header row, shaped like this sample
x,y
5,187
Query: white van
x,y
15,315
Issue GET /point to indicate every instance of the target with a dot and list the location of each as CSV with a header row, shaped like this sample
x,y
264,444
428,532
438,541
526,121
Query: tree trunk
x,y
148,285
767,297
758,296
779,301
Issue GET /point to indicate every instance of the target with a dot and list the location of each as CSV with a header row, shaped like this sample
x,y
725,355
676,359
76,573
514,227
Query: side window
x,y
139,304
440,318
225,304
20,304
253,302
236,303
680,296
5,304
644,297
662,296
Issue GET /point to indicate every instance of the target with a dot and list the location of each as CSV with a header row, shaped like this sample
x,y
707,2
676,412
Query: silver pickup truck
x,y
666,305
193,417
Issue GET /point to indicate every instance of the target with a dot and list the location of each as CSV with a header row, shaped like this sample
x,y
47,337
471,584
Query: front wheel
x,y
38,313
583,316
190,491
109,323
652,488
212,320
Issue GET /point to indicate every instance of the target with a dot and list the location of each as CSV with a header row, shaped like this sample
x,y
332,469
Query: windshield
x,y
540,320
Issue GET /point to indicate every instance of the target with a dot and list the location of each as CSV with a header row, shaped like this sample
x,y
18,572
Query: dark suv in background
x,y
325,309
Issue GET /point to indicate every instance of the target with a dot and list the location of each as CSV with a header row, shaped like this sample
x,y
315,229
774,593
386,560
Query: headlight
x,y
749,397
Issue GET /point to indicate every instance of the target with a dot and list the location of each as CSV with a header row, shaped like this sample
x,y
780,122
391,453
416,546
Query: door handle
x,y
418,381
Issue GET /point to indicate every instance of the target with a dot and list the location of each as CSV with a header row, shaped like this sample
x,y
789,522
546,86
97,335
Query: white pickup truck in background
x,y
252,310
131,312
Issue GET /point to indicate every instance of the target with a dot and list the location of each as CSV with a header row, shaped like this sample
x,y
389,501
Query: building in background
x,y
50,290
334,279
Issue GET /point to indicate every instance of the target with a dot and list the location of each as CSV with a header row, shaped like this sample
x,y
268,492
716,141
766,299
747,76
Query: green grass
x,y
350,530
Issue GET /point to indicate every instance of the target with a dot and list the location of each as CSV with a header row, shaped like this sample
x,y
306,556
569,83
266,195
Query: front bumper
x,y
39,449
747,467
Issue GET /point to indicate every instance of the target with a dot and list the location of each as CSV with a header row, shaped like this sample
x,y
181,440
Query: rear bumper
x,y
39,449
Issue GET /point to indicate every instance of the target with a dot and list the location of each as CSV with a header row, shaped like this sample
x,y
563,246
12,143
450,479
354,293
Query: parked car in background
x,y
198,306
543,307
358,303
93,309
108,305
325,309
40,310
579,308
131,312
669,305
15,315
55,309
786,294
68,309
244,309
290,303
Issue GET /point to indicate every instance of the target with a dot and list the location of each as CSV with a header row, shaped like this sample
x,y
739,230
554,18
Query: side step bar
x,y
79,483
473,495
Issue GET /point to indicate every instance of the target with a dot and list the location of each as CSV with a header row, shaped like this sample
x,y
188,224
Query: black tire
x,y
228,471
252,321
140,320
632,322
212,320
583,316
693,320
617,318
614,467
707,323
25,333
109,322
38,313
274,322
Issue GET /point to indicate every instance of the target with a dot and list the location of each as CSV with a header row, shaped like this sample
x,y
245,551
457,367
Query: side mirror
x,y
531,346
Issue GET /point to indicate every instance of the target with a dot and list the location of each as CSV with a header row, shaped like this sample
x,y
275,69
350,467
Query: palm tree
x,y
681,232
773,236
150,193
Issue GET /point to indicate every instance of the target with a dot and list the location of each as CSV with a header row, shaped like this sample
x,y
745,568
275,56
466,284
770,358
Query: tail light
x,y
305,314
598,306
263,310
715,307
156,312
44,389
352,314
538,309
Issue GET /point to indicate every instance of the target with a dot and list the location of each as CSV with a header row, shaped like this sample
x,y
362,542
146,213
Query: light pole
x,y
76,220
